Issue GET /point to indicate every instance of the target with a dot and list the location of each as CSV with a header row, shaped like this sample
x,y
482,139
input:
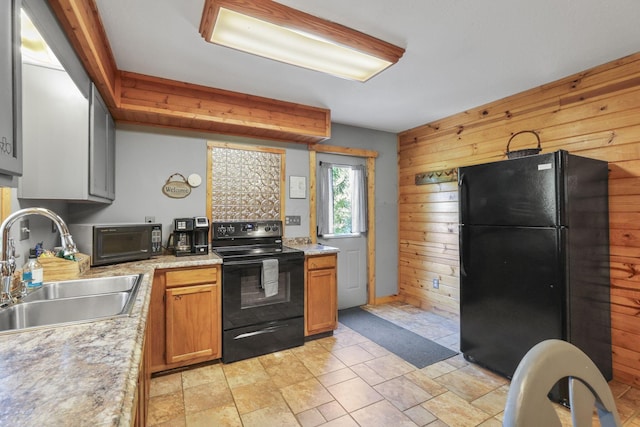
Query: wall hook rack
x,y
434,177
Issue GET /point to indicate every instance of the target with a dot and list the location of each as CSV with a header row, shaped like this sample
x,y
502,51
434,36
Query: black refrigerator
x,y
534,259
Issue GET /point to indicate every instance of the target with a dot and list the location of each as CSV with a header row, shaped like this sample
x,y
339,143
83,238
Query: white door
x,y
352,258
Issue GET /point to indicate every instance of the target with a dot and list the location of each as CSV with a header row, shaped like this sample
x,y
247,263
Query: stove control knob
x,y
275,227
222,229
267,228
231,229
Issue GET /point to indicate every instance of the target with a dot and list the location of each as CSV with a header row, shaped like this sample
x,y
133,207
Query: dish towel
x,y
270,275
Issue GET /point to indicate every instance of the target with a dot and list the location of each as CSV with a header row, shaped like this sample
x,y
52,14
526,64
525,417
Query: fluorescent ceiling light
x,y
275,31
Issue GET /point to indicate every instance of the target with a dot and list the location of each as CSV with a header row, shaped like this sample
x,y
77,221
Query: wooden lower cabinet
x,y
185,317
321,294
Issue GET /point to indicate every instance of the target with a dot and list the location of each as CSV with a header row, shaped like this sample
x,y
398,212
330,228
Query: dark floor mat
x,y
411,347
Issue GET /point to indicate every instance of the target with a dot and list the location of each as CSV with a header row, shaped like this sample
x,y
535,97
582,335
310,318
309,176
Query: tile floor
x,y
347,380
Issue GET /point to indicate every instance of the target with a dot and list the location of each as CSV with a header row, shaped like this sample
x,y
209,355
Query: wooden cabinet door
x,y
191,322
321,300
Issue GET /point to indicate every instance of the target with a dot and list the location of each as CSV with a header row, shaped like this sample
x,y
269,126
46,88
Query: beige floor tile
x,y
306,395
390,366
279,416
258,395
491,422
422,380
291,372
369,375
420,415
494,402
309,348
466,384
276,359
354,394
204,375
352,355
310,418
165,407
206,396
244,372
344,421
438,369
375,349
332,410
165,384
455,411
402,393
382,414
221,416
320,363
336,377
348,338
176,422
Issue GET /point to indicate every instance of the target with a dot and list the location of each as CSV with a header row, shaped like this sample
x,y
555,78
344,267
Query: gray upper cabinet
x,y
68,133
10,93
102,149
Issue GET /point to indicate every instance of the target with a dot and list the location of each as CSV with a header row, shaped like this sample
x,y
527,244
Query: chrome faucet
x,y
8,251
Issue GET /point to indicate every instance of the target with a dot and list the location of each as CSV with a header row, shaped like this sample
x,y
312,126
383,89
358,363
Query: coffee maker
x,y
182,236
191,236
200,240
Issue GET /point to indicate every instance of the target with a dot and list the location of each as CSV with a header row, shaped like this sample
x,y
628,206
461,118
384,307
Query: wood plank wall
x,y
594,114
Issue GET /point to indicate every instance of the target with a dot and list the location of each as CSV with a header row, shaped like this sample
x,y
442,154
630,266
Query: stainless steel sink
x,y
72,301
83,287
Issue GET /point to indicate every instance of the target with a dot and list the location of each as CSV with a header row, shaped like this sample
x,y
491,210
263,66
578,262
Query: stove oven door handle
x,y
269,330
254,261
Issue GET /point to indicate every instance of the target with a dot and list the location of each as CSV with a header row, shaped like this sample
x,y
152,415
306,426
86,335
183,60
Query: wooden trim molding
x,y
5,203
147,100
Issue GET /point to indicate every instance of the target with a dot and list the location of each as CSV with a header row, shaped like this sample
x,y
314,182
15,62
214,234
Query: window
x,y
342,200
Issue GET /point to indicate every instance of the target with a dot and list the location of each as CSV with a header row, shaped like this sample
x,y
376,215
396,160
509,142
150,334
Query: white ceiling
x,y
459,54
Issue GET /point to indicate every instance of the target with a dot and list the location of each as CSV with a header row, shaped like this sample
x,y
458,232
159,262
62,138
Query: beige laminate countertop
x,y
83,374
312,249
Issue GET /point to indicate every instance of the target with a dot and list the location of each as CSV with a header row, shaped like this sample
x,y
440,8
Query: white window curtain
x,y
358,198
325,199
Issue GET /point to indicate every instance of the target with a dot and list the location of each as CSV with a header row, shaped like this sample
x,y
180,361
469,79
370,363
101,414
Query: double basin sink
x,y
72,301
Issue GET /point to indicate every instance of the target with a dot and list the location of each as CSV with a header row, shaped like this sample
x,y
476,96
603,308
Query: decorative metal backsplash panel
x,y
245,184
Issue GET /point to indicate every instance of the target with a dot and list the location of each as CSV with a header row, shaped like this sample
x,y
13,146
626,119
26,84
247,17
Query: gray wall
x,y
386,198
146,157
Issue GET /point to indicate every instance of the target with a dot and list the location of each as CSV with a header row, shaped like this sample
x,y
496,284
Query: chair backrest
x,y
540,369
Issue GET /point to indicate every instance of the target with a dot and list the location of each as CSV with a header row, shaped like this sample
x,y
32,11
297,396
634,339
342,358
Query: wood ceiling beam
x,y
148,100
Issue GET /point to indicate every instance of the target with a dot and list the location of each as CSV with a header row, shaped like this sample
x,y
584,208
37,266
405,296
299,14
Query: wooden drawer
x,y
191,276
322,261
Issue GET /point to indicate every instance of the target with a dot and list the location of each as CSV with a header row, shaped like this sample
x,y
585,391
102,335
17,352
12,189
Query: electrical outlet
x,y
24,229
292,220
149,219
436,283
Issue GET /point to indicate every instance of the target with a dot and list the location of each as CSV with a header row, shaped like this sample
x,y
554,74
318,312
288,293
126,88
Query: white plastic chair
x,y
540,369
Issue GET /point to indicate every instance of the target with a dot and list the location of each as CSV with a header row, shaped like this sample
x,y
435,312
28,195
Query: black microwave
x,y
113,243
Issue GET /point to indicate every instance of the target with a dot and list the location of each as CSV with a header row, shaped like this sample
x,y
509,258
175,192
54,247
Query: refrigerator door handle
x,y
462,205
462,238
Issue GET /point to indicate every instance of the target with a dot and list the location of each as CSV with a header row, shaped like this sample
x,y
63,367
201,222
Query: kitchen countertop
x,y
311,249
87,373
82,374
